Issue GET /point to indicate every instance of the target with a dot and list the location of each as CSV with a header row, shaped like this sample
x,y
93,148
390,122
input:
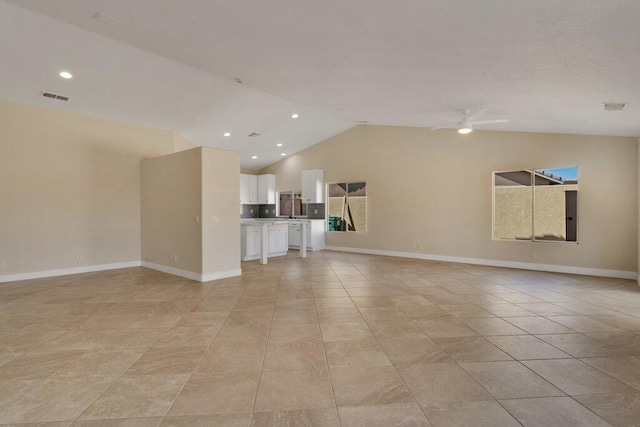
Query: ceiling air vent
x,y
615,106
253,135
54,96
106,19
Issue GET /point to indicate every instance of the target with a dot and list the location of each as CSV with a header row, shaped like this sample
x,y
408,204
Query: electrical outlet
x,y
533,255
79,256
175,259
421,246
215,219
414,245
1,263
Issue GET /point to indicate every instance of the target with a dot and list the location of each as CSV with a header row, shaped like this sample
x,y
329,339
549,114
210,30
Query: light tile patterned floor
x,y
336,339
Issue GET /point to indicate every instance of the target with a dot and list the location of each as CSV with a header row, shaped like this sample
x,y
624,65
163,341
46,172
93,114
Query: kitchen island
x,y
265,238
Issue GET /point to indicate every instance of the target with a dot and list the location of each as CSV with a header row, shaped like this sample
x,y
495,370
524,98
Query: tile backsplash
x,y
250,211
315,210
267,211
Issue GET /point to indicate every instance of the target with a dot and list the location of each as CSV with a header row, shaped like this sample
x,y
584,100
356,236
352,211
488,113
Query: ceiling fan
x,y
465,125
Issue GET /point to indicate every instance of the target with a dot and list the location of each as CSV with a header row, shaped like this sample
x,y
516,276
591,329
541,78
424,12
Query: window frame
x,y
533,208
292,194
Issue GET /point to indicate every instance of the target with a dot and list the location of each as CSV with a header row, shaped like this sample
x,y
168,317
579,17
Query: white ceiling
x,y
547,65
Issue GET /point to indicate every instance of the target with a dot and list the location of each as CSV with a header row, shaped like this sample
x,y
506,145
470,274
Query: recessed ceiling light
x,y
66,75
254,157
295,116
227,134
107,19
283,154
279,144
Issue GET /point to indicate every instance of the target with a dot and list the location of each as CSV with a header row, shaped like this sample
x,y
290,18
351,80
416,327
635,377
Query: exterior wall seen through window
x,y
347,206
536,204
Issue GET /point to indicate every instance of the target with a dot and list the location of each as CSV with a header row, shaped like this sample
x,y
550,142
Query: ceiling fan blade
x,y
444,127
446,119
477,114
487,122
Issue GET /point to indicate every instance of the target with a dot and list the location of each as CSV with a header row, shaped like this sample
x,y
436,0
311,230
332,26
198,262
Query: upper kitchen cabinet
x,y
267,189
249,189
313,186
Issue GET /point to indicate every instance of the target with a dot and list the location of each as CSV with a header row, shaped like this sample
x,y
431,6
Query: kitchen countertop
x,y
277,220
259,221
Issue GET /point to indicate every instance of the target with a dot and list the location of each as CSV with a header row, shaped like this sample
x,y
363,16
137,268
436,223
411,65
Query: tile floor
x,y
336,339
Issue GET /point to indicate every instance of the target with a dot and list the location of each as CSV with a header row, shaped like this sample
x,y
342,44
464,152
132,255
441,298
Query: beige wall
x,y
171,207
180,143
220,198
247,171
190,208
434,188
69,186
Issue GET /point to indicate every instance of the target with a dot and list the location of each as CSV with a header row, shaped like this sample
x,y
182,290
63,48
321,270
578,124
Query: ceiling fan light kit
x,y
465,126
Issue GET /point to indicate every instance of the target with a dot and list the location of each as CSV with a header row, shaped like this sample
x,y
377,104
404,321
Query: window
x,y
536,204
291,204
347,206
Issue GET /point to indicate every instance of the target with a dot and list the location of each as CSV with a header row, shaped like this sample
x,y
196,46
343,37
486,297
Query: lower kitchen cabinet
x,y
250,243
277,236
278,239
315,235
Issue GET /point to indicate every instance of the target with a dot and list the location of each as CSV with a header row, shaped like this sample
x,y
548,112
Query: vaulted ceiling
x,y
547,65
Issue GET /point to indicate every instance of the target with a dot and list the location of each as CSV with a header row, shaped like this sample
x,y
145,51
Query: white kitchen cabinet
x,y
294,235
251,243
315,235
278,239
267,189
313,186
277,235
248,189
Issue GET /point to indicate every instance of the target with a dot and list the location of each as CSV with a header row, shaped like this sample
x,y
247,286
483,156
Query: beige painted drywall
x,y
220,202
180,143
434,188
69,185
249,171
189,211
171,207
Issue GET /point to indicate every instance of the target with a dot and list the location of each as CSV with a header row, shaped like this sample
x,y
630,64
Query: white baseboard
x,y
618,274
221,275
171,270
65,271
102,267
190,274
